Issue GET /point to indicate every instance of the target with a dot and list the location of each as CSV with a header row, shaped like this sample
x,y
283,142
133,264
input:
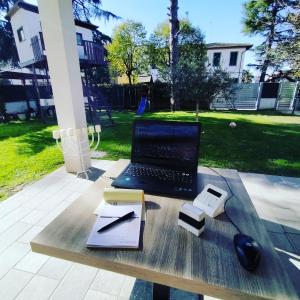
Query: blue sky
x,y
221,21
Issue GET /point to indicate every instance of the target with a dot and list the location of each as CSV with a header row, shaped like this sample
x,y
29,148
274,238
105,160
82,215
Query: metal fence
x,y
257,96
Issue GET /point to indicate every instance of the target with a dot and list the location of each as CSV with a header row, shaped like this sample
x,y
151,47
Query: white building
x,y
228,56
27,30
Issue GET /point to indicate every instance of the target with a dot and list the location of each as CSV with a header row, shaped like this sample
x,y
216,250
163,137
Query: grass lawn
x,y
262,143
27,152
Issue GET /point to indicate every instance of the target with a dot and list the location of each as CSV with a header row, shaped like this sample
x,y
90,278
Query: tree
x,y
158,48
193,81
87,9
247,76
127,52
287,53
8,51
268,18
174,56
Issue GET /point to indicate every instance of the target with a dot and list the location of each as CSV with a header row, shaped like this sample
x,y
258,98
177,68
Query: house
x,y
229,57
226,56
27,30
28,35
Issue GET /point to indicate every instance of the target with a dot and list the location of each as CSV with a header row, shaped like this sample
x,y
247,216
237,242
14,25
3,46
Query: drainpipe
x,y
241,66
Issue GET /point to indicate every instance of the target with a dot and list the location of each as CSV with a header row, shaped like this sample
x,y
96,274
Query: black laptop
x,y
164,158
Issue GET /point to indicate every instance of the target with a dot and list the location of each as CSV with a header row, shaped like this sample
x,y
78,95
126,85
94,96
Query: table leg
x,y
160,292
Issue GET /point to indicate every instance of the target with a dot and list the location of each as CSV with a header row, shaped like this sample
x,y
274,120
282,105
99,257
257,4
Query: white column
x,y
60,41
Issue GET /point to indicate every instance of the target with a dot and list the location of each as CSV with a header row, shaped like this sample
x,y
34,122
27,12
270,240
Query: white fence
x,y
258,96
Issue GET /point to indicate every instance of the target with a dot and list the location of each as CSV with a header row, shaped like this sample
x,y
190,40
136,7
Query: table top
x,y
170,255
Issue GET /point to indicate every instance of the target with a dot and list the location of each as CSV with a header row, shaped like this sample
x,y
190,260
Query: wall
x,y
267,103
32,26
87,35
19,106
235,71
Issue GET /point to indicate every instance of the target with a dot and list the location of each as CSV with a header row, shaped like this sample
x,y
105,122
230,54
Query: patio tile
x,y
35,216
55,268
295,240
12,283
141,290
13,218
108,282
127,287
30,234
31,262
11,256
54,213
72,196
96,295
12,234
39,288
7,207
52,202
33,202
75,284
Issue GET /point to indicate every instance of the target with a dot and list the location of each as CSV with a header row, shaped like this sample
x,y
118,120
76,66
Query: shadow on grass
x,y
18,128
35,142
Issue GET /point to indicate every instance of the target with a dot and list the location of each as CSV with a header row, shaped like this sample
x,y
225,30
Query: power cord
x,y
232,194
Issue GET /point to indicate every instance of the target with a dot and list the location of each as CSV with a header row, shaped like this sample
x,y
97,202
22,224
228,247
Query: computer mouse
x,y
247,250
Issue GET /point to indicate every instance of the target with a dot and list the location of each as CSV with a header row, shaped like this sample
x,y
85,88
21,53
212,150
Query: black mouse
x,y
247,250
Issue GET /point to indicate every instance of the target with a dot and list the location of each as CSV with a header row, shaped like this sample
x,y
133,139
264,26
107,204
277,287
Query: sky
x,y
220,20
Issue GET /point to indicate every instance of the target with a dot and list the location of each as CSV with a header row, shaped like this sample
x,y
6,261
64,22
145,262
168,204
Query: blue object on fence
x,y
142,106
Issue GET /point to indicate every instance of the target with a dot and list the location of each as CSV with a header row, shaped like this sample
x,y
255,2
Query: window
x,y
21,35
79,39
217,59
42,40
233,58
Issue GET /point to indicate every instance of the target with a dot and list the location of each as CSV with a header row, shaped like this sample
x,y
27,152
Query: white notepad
x,y
122,235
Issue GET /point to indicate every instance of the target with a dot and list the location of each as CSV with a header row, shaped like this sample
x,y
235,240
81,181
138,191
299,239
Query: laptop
x,y
164,159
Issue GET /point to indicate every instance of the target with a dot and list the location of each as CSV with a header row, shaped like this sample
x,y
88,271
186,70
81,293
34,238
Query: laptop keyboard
x,y
160,174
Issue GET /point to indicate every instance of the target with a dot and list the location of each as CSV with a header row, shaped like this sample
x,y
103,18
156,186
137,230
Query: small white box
x,y
191,218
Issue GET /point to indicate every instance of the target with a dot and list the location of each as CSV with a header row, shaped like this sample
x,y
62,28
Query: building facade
x,y
228,57
28,35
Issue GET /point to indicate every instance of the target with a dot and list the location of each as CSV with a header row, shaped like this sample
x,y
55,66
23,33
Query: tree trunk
x,y
270,44
129,79
264,70
197,111
174,28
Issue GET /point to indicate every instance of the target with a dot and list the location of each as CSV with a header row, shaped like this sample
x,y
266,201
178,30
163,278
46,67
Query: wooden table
x,y
169,255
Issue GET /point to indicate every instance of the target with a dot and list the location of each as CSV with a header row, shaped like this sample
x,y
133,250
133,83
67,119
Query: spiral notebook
x,y
122,235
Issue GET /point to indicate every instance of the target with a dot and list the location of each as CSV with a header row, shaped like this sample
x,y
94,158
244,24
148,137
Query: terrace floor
x,y
27,275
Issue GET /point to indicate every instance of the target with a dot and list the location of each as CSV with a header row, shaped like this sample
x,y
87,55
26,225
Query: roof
x,y
228,45
35,9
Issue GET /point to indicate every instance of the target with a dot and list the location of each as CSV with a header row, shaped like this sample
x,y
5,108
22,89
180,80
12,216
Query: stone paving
x,y
32,276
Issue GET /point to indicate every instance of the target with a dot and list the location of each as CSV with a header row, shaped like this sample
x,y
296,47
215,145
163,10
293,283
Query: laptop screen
x,y
166,143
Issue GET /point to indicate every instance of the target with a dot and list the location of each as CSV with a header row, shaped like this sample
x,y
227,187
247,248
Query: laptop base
x,y
156,187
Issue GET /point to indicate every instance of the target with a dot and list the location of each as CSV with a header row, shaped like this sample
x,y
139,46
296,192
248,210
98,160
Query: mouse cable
x,y
232,194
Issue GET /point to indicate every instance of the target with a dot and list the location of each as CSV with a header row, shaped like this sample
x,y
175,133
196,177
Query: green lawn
x,y
27,152
262,143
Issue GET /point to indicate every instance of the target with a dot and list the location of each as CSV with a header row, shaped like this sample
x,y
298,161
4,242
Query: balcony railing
x,y
93,53
37,49
90,53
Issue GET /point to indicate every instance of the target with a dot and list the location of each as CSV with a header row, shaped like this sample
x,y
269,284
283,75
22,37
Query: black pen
x,y
121,219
